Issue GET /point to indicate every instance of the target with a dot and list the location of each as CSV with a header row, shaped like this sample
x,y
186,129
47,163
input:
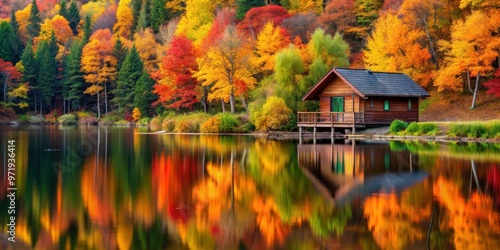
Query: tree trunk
x,y
231,102
98,107
105,98
5,90
64,106
223,107
244,102
431,44
35,102
475,92
468,81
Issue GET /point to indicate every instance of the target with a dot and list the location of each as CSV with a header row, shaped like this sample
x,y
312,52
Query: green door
x,y
337,104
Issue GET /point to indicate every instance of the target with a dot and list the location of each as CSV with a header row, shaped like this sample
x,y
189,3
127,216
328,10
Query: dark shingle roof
x,y
367,83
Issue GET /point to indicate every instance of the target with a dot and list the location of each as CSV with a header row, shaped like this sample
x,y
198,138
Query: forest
x,y
228,65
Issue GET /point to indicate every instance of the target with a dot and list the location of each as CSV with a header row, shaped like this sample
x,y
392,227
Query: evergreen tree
x,y
7,41
17,46
136,11
143,21
158,14
120,52
30,72
48,69
73,17
63,11
245,5
130,72
87,30
144,96
74,83
34,20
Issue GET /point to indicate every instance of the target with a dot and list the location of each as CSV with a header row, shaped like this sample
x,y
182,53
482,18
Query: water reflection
x,y
118,188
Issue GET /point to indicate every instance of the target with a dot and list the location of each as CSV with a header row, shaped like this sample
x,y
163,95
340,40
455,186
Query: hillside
x,y
450,106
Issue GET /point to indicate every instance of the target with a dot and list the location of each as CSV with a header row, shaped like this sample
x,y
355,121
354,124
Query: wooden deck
x,y
331,119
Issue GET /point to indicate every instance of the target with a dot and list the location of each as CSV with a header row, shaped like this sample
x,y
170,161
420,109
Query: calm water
x,y
115,188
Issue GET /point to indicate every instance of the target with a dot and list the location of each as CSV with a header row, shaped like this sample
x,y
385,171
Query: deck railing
x,y
330,118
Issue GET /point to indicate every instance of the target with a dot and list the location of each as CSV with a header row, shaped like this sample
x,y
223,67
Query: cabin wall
x,y
339,88
399,109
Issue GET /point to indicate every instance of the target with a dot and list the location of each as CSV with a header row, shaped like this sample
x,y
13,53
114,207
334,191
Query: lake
x,y
123,188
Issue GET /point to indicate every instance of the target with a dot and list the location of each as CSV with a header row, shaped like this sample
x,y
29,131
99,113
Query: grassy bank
x,y
473,129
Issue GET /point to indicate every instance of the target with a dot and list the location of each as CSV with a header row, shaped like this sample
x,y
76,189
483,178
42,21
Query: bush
x,y
477,130
168,125
227,123
52,116
460,130
36,119
143,121
273,115
397,126
156,122
122,122
184,126
136,114
427,129
91,120
211,125
494,130
412,128
67,119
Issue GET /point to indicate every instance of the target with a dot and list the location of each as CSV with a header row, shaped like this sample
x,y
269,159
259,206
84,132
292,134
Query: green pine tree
x,y
63,10
34,20
30,72
73,17
144,96
130,72
136,11
17,46
159,14
245,5
143,21
120,52
7,41
87,30
74,83
47,77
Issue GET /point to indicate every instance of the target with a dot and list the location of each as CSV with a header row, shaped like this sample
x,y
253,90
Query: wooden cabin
x,y
357,98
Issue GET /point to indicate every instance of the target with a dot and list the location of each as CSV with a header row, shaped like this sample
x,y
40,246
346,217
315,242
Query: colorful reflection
x,y
120,188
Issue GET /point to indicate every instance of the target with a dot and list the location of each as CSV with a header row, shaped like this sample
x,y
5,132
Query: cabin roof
x,y
367,83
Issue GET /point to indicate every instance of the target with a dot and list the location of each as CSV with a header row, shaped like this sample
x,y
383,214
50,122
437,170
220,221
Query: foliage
x,y
273,115
493,85
68,119
245,5
211,125
130,72
144,121
269,42
144,95
33,26
397,126
288,72
257,17
136,114
227,123
156,122
36,119
124,20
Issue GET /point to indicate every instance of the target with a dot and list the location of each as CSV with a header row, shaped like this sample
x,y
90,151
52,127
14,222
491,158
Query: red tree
x,y
257,17
223,18
493,85
176,85
8,74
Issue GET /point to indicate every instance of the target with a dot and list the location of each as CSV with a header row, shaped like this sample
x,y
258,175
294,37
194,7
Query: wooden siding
x,y
398,109
337,88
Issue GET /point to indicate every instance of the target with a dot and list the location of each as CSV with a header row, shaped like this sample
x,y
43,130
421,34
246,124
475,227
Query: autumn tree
x,y
227,66
147,47
257,17
197,19
269,41
33,26
106,19
473,47
394,47
301,25
130,71
124,20
303,6
339,16
493,85
367,12
22,18
176,85
99,65
9,74
60,26
288,72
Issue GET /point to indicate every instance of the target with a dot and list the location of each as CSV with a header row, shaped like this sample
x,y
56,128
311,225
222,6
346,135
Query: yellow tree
x,y
473,47
269,42
305,6
22,18
148,48
124,20
99,64
394,46
227,66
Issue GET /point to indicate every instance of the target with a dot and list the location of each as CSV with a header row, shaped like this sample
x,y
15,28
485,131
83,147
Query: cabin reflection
x,y
341,167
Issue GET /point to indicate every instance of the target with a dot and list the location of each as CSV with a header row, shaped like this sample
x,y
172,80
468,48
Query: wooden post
x,y
300,132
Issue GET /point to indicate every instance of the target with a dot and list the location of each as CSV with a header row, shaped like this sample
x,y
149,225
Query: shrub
x,y
168,125
427,129
136,114
460,130
184,126
412,128
67,119
36,119
397,126
227,123
91,120
477,130
52,116
494,130
122,122
143,121
273,116
6,114
156,122
211,125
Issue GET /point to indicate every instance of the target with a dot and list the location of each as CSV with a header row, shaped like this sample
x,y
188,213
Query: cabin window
x,y
372,105
386,105
409,104
337,104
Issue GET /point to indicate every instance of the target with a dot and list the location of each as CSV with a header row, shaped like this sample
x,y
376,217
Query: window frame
x,y
387,105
